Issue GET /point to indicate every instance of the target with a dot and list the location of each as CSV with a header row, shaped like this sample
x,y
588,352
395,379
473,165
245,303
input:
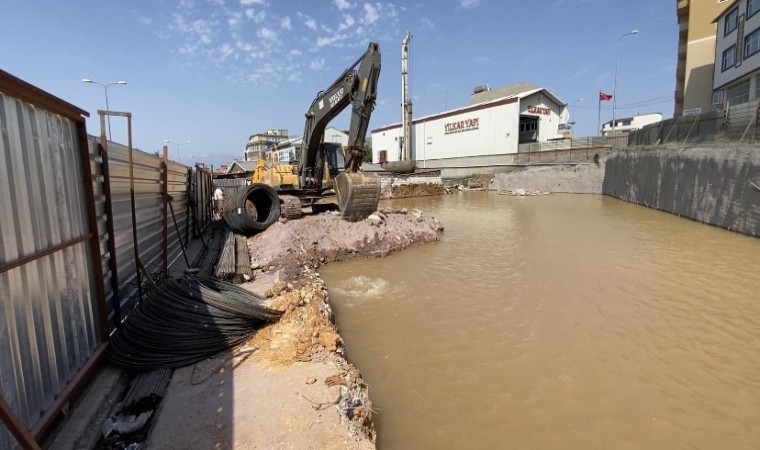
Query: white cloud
x,y
467,4
348,21
256,16
235,20
145,20
285,23
317,64
331,40
266,34
342,4
200,30
371,13
295,52
252,2
226,50
308,21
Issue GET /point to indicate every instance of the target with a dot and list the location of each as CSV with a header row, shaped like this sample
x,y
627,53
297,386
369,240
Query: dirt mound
x,y
284,259
417,190
280,253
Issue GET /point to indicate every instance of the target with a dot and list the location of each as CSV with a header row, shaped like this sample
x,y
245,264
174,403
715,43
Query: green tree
x,y
367,151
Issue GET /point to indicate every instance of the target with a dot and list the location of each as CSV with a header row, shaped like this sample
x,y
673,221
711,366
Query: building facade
x,y
493,127
737,54
696,54
624,125
260,142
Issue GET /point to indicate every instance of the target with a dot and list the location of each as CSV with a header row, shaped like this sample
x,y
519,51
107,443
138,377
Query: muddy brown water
x,y
561,321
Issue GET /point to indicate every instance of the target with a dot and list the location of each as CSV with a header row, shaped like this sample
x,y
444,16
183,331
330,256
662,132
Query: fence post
x,y
116,298
752,121
685,139
164,214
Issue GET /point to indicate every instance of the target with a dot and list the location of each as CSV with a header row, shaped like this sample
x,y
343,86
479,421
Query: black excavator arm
x,y
357,193
357,86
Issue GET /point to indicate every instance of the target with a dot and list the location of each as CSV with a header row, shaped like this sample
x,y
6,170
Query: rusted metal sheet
x,y
49,324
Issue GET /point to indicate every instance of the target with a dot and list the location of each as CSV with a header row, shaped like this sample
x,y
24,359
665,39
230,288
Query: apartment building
x,y
736,77
696,54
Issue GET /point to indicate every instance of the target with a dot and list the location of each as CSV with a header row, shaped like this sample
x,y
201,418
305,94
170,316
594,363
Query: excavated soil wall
x,y
583,178
715,185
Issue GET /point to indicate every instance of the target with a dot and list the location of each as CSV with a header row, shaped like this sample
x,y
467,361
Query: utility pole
x,y
406,102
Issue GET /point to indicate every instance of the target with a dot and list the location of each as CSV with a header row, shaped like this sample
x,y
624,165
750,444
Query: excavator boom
x,y
357,193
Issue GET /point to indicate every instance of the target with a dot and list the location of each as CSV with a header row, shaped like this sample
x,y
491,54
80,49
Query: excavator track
x,y
358,195
291,207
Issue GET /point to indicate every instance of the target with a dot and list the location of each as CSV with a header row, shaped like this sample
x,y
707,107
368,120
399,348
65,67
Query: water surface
x,y
561,321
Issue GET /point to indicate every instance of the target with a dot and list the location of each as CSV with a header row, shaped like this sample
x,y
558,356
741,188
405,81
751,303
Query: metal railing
x,y
737,124
568,144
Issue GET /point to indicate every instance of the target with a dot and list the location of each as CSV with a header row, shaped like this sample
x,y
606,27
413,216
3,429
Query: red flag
x,y
604,97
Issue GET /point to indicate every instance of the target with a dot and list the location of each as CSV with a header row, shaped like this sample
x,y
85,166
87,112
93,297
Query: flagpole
x,y
599,114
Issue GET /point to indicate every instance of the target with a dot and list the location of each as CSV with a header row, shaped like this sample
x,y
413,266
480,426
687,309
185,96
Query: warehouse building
x,y
484,133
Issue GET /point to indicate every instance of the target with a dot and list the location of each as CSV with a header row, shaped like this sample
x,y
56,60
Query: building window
x,y
757,87
752,43
732,20
718,97
729,58
753,6
738,94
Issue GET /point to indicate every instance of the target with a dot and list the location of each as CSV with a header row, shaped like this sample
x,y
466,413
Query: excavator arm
x,y
357,193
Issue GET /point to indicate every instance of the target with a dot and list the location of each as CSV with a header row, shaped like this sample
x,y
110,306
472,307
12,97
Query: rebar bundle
x,y
184,321
252,210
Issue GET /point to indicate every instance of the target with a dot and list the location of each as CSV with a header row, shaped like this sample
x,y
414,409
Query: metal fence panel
x,y
48,326
149,211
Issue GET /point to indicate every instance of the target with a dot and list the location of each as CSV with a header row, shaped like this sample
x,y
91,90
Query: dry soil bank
x,y
289,386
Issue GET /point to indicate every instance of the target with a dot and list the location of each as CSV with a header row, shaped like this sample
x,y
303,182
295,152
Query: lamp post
x,y
178,144
614,85
572,113
105,87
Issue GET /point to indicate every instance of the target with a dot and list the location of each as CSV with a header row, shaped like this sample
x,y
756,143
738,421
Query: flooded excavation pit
x,y
556,321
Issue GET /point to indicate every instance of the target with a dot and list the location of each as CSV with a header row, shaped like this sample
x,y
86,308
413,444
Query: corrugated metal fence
x,y
52,327
68,265
158,243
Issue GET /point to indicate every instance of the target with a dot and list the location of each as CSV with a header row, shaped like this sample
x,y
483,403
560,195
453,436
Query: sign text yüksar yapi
x,y
462,125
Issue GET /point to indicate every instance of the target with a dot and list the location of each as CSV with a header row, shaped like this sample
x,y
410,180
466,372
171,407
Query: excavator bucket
x,y
358,195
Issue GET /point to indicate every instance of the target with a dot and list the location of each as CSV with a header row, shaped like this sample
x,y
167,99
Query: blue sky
x,y
213,72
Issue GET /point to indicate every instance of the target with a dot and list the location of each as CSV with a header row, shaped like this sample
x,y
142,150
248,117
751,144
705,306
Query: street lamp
x,y
572,113
178,144
105,87
614,86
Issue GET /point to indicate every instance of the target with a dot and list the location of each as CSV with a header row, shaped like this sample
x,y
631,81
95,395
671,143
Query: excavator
x,y
318,174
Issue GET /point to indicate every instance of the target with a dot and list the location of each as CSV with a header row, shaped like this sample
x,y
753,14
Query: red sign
x,y
462,125
539,110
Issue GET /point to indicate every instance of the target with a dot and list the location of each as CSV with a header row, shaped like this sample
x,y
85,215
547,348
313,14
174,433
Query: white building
x,y
290,150
336,136
493,127
736,76
624,125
